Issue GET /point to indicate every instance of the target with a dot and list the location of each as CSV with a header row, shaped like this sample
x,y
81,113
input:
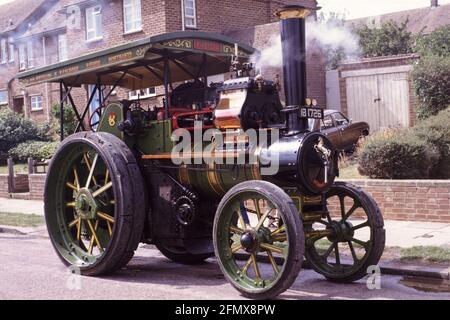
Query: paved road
x,y
29,269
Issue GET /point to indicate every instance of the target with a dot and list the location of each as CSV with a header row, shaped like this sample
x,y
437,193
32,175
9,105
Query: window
x,y
30,55
11,49
94,23
190,19
36,103
340,119
132,15
142,94
62,47
327,123
4,50
3,97
95,104
22,57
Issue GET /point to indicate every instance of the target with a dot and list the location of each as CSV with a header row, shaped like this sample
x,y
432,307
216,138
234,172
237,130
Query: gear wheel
x,y
185,210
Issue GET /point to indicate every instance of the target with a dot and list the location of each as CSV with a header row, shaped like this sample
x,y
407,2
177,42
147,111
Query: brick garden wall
x,y
37,183
416,200
4,185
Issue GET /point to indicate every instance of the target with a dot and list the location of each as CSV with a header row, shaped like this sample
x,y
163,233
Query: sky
x,y
362,8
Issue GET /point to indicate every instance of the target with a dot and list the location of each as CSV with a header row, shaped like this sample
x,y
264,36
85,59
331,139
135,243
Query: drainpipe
x,y
46,85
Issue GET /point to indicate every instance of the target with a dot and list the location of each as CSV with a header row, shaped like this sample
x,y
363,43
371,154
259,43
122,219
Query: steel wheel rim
x,y
81,218
233,225
338,269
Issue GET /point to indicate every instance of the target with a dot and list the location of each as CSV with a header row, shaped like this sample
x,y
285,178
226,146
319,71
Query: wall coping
x,y
398,183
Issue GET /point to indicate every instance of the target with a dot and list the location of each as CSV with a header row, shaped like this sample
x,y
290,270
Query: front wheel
x,y
350,238
94,203
258,219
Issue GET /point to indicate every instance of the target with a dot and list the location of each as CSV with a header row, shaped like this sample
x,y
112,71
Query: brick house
x,y
57,30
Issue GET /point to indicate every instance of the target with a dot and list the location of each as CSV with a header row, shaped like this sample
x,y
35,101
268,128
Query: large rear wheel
x,y
94,203
258,219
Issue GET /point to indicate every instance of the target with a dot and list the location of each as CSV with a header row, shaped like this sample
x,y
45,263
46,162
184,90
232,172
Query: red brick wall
x,y
415,200
37,184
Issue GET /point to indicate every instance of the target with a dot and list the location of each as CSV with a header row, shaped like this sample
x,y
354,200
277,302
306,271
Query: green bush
x,y
436,131
14,129
401,156
70,120
39,150
432,85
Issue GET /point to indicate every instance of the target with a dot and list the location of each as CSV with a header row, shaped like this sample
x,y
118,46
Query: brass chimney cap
x,y
295,11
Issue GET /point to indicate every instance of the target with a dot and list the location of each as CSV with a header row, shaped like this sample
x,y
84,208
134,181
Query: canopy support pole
x,y
166,85
72,103
61,110
86,108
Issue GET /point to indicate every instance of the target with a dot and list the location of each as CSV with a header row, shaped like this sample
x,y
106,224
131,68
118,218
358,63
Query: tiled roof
x,y
14,13
426,19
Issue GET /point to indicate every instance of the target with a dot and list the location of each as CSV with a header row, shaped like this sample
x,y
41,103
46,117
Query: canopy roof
x,y
140,64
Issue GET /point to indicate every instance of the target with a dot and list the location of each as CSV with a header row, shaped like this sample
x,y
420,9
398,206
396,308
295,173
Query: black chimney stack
x,y
293,41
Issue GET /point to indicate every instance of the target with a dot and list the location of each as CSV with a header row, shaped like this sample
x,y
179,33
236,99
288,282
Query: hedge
x,y
39,150
422,152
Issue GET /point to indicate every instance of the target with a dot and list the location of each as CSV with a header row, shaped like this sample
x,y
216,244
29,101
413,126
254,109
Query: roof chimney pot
x,y
434,3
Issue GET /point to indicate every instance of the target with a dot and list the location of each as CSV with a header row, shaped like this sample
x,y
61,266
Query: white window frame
x,y
135,95
22,57
4,102
4,50
30,54
63,53
136,15
38,104
97,25
187,17
11,49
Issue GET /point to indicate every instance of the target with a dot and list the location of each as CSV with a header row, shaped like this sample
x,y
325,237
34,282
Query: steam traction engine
x,y
109,190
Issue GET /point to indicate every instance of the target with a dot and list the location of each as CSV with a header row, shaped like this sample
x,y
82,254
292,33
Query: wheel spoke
x,y
255,266
109,227
74,222
279,230
329,250
342,205
79,230
272,248
362,225
106,176
70,204
246,266
352,250
236,230
90,168
71,186
350,212
236,248
280,237
105,216
361,243
263,218
102,189
258,210
273,262
77,179
336,253
94,235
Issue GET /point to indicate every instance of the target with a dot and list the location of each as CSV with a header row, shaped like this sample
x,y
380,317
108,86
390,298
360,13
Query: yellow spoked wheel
x,y
94,203
258,220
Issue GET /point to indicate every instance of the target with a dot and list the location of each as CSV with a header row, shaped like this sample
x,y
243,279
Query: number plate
x,y
310,113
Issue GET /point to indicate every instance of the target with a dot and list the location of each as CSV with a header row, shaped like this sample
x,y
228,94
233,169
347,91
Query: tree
x,y
432,72
389,39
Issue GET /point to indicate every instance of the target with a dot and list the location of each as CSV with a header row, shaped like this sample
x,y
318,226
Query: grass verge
x,y
426,253
21,219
